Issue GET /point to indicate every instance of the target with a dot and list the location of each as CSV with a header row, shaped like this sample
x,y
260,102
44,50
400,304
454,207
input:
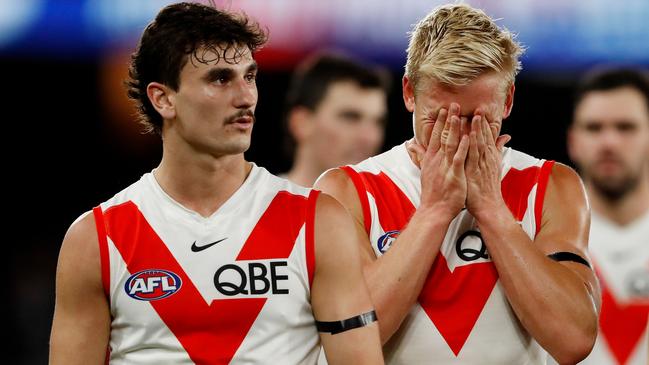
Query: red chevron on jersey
x,y
265,240
621,324
212,332
395,210
454,300
516,187
452,309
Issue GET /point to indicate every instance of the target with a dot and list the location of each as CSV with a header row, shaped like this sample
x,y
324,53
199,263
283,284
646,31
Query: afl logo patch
x,y
152,284
385,241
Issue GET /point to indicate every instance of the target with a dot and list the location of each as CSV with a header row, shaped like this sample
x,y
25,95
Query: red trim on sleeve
x,y
103,250
309,233
542,184
362,196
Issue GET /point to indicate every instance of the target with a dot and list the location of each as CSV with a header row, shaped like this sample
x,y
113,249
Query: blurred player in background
x,y
609,143
209,259
335,115
474,253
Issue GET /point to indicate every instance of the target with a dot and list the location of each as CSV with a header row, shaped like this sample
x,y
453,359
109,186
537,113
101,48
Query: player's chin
x,y
610,169
236,145
244,145
611,175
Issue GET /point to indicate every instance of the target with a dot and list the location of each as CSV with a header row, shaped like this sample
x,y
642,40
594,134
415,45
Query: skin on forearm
x,y
552,301
395,286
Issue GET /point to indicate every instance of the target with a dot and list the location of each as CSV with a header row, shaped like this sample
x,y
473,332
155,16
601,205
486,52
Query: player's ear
x,y
162,98
408,93
299,123
509,100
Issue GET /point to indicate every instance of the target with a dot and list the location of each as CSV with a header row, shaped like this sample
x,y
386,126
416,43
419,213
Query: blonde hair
x,y
455,44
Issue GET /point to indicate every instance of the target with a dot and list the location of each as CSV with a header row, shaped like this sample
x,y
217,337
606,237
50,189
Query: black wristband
x,y
334,327
569,256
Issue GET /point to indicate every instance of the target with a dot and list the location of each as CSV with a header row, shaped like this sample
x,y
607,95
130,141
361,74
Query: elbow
x,y
576,347
574,339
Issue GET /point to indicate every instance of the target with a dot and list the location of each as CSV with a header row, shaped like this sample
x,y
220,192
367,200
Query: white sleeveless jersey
x,y
621,258
462,315
233,288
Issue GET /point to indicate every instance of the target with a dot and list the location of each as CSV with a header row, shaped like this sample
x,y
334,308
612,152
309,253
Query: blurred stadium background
x,y
71,140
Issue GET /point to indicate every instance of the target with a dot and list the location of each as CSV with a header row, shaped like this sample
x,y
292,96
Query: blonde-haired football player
x,y
475,253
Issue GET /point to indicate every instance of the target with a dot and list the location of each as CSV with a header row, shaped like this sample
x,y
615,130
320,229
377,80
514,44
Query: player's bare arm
x,y
402,271
556,301
341,302
81,316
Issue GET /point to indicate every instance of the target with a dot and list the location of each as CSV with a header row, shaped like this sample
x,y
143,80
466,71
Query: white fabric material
x,y
283,331
621,255
497,337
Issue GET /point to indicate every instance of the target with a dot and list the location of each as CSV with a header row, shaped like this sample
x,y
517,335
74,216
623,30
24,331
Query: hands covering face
x,y
461,166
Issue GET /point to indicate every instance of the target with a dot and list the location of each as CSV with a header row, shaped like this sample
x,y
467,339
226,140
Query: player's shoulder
x,y
519,159
341,179
334,225
82,227
328,206
134,191
559,173
565,200
333,180
80,247
565,181
275,183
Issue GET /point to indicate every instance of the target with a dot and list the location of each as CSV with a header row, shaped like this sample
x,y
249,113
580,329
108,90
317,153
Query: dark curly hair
x,y
181,31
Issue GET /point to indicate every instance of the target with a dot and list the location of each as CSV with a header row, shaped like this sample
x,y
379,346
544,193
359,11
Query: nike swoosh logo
x,y
201,248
